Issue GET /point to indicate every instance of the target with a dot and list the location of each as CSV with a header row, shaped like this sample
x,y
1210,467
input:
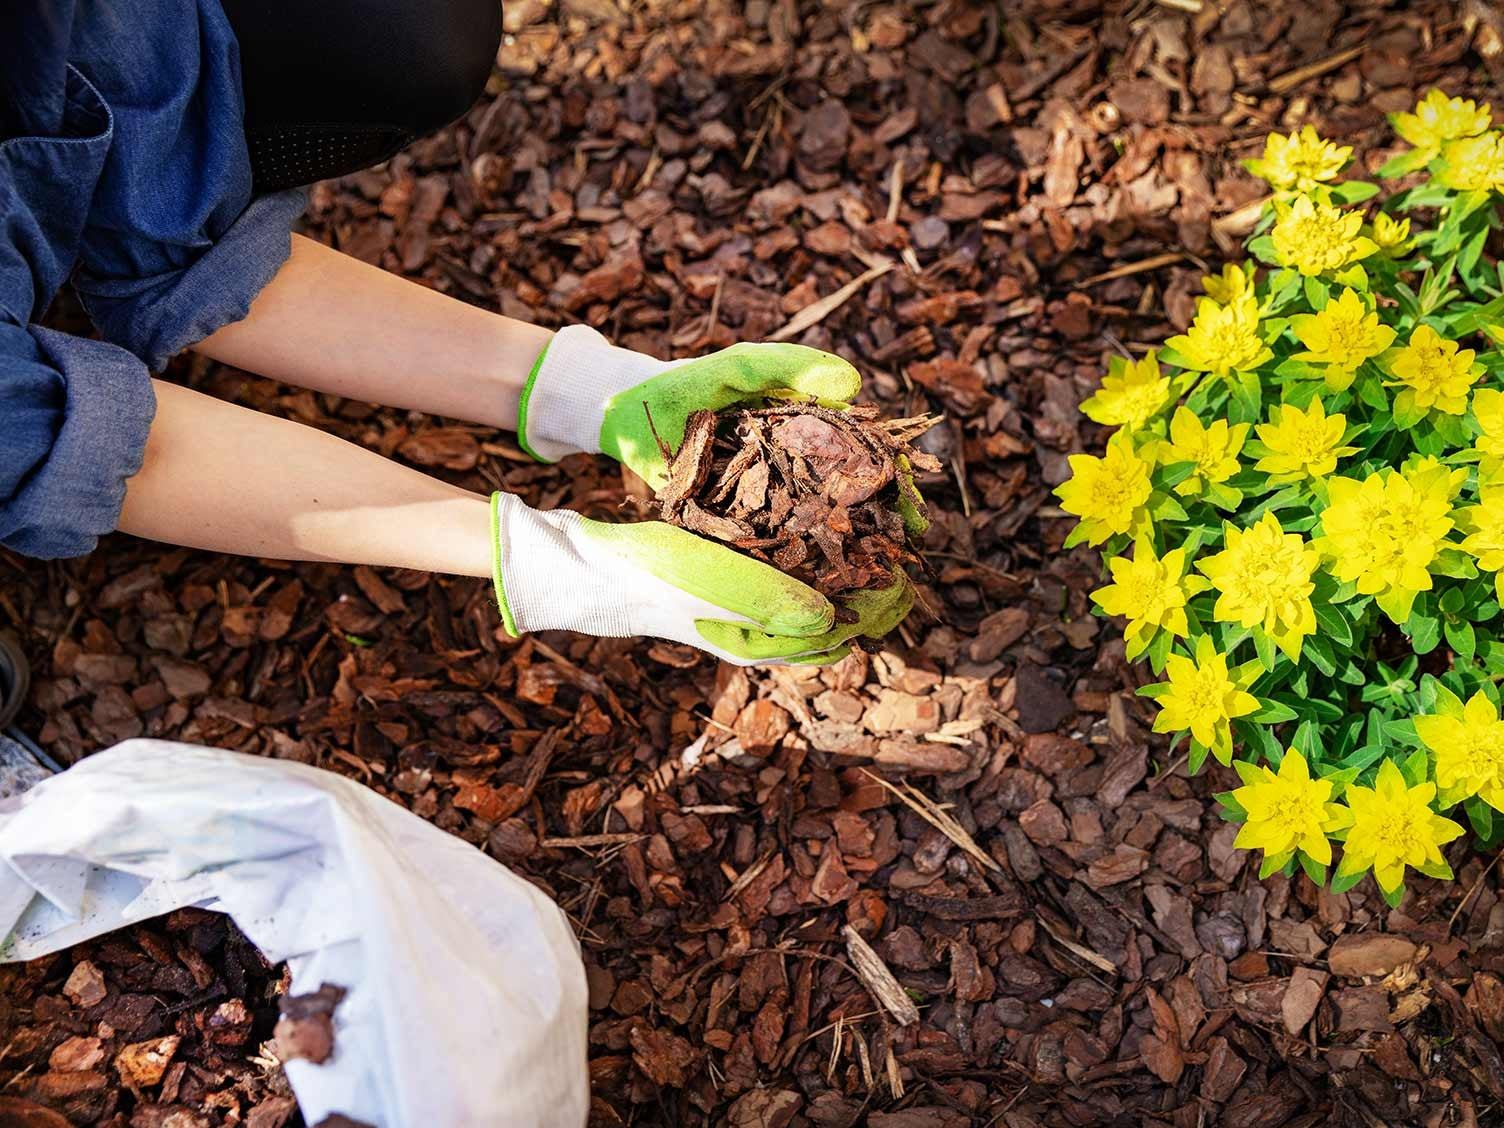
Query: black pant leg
x,y
343,84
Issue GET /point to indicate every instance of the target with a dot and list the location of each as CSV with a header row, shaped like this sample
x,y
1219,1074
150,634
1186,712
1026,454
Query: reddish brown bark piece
x,y
306,1028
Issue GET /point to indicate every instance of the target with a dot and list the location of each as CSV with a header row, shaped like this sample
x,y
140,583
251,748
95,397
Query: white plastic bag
x,y
466,1001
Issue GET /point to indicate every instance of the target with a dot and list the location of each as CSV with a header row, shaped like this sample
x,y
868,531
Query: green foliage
x,y
1313,557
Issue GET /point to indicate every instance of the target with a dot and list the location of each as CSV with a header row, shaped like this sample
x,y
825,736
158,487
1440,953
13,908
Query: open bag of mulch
x,y
464,996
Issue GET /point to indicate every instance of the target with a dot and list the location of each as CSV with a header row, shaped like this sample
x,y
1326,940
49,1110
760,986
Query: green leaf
x,y
1262,248
1263,646
1401,730
1319,651
1424,632
1334,624
1481,815
1402,163
1314,869
1317,293
1354,276
1415,767
1271,866
1159,650
1462,639
1274,712
1163,507
1176,472
1354,191
1232,810
1341,882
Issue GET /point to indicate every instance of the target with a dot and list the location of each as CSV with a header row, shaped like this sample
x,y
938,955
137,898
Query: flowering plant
x,y
1301,510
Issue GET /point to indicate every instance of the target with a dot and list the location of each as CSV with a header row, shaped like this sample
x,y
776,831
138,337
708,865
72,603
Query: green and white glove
x,y
561,571
585,394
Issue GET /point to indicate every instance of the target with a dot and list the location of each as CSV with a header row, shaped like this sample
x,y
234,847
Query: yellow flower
x,y
1263,579
1150,592
1213,449
1223,338
1132,393
1435,374
1484,524
1438,119
1394,828
1230,285
1287,812
1389,233
1384,532
1302,443
1107,493
1474,164
1468,742
1488,409
1316,238
1300,161
1203,699
1341,337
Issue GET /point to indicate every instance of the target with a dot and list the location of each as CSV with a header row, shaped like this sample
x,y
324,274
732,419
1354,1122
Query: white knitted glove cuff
x,y
565,403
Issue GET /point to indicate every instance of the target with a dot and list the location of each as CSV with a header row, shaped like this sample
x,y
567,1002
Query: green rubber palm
x,y
585,394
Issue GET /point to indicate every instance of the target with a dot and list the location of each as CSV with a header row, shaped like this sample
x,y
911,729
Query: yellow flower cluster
x,y
1285,483
1110,493
1317,238
1435,373
1341,337
1301,444
1384,533
1133,392
1204,698
1438,119
1468,743
1387,828
1474,164
1263,579
1299,162
1223,338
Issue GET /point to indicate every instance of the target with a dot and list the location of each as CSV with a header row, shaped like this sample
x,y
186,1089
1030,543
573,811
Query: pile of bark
x,y
818,493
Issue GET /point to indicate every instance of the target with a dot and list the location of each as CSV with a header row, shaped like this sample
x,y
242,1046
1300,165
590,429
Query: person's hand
x,y
561,571
586,394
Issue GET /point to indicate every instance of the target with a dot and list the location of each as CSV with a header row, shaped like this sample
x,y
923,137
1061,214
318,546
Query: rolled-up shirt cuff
x,y
159,316
75,496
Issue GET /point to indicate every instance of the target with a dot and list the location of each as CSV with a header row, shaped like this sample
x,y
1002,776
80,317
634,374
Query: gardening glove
x,y
585,394
561,571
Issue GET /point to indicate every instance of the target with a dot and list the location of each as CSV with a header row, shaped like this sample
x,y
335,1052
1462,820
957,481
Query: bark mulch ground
x,y
954,883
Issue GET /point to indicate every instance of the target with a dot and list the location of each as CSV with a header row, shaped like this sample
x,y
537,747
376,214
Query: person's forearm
x,y
228,479
332,323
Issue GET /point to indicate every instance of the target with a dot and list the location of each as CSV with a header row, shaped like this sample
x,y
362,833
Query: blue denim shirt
x,y
123,163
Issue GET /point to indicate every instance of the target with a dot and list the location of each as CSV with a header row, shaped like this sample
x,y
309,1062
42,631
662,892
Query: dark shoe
x,y
15,678
22,764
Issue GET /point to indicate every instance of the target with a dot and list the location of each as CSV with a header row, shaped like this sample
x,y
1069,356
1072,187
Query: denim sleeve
x,y
76,414
175,245
174,296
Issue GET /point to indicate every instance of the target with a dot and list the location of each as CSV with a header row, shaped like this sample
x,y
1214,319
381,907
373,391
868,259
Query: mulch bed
x,y
1003,195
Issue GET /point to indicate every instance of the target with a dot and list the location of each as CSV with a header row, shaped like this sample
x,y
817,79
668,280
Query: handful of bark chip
x,y
826,496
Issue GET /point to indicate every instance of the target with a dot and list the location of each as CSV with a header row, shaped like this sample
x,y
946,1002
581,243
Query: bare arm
x,y
335,324
232,480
